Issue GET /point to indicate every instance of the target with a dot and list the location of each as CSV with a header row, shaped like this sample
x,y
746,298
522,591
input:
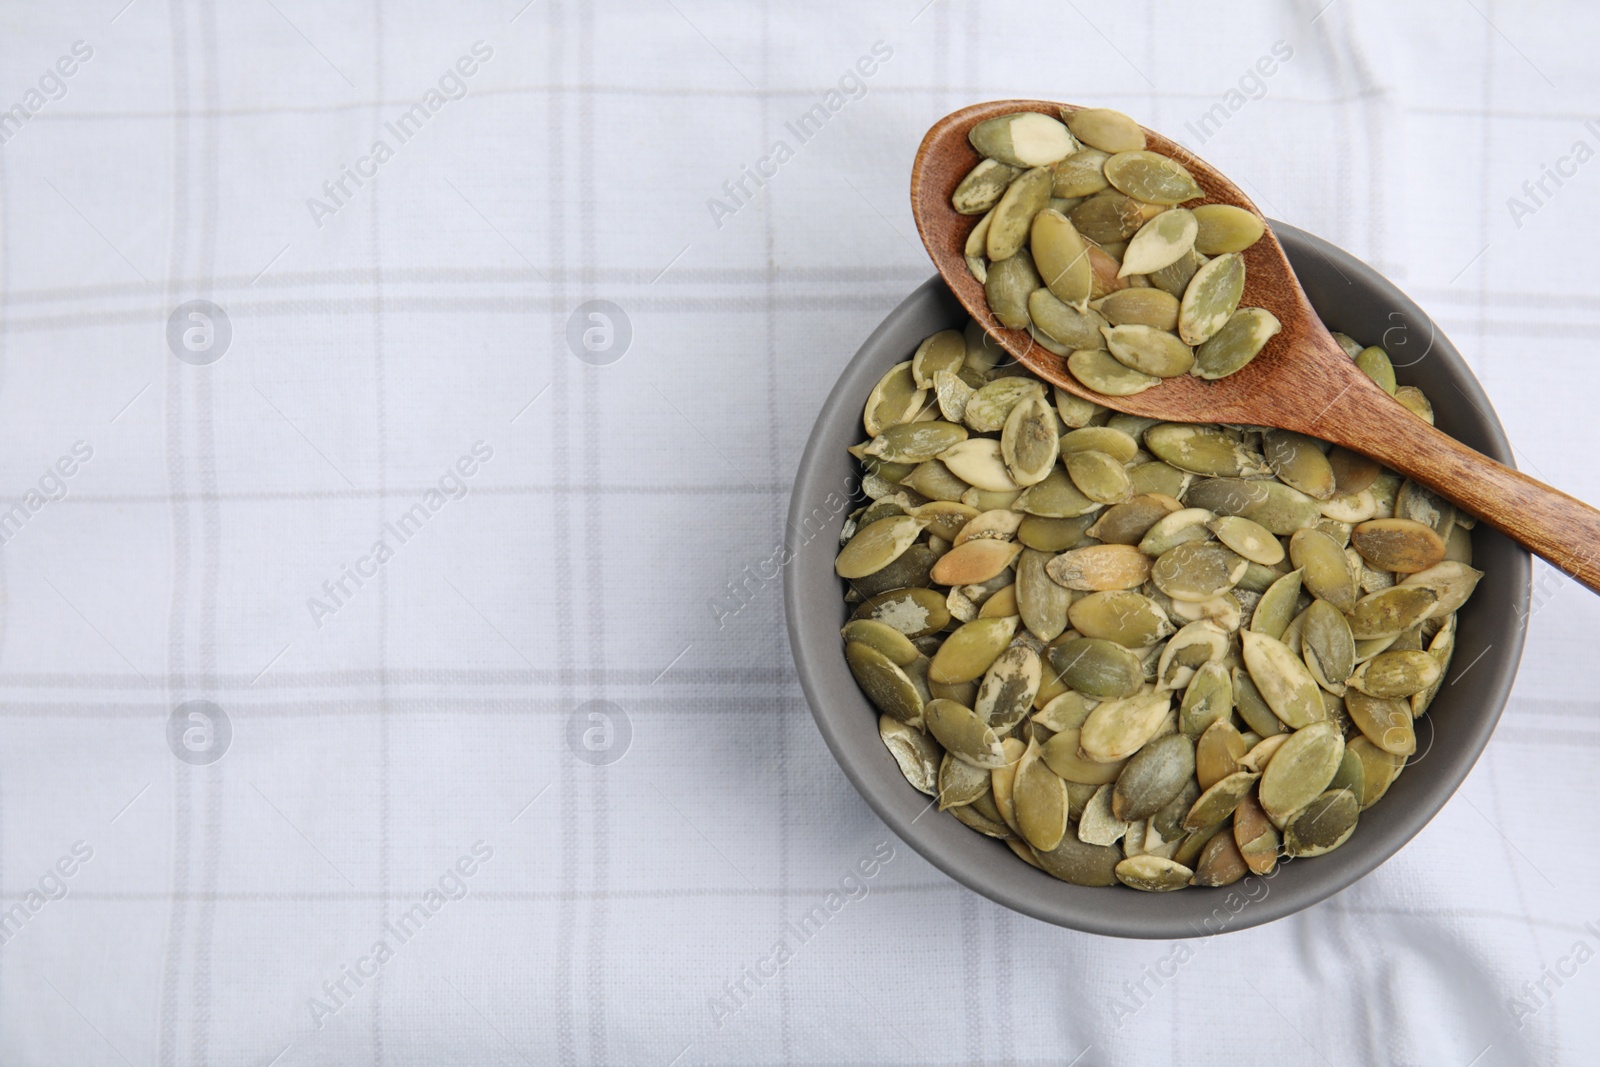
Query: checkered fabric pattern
x,y
393,668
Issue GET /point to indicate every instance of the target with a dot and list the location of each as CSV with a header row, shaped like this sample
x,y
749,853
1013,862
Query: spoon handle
x,y
1561,529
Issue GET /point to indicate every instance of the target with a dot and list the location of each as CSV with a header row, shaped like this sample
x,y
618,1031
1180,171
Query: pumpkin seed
x,y
1325,571
1127,618
1105,129
971,816
1148,350
1252,706
1109,217
1207,701
1450,582
1153,874
1043,604
1007,286
1099,567
1283,680
943,351
1240,340
1174,279
1098,825
1249,539
1078,863
1421,504
977,244
1152,777
1394,674
1255,835
1299,461
1192,647
1099,477
1441,648
1040,800
1152,178
1140,307
1055,497
1390,612
1197,570
1128,522
1098,370
895,399
1180,527
1061,753
1211,298
1398,545
1054,535
914,752
960,782
1327,647
914,442
1261,752
914,612
968,652
1070,327
885,683
1415,401
1009,685
975,561
964,733
1080,174
1352,472
1119,727
981,189
1097,668
1061,257
1218,801
1065,712
1374,363
1217,754
877,545
1158,477
978,462
1161,242
1221,863
888,642
1301,769
1023,139
1225,228
1379,769
1012,220
1322,825
1386,723
1075,411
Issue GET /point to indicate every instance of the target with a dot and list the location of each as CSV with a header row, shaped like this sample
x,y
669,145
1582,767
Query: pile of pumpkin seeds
x,y
1161,654
1085,244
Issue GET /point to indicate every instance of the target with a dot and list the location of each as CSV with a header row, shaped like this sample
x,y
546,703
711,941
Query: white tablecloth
x,y
400,517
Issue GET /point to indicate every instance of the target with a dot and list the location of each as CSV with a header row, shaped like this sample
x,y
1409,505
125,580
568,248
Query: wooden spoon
x,y
1301,381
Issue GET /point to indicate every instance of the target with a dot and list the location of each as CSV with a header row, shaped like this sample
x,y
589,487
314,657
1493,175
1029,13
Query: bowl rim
x,y
887,794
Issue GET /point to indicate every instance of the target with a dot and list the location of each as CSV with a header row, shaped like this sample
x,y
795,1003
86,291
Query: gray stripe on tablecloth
x,y
381,401
168,1050
572,829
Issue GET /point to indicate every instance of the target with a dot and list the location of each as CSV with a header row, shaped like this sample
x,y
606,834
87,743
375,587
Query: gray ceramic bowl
x,y
1351,297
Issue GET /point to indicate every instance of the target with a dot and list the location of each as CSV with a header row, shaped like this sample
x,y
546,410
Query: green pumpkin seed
x,y
1159,478
1098,370
960,783
1299,461
1100,567
968,652
1077,863
877,545
1374,363
943,351
1156,774
1043,604
1061,753
978,461
895,399
1207,701
1211,298
1180,527
1153,874
1283,680
1400,545
1054,535
1119,727
1140,307
1007,286
1104,128
1009,685
1240,340
1191,648
1161,242
971,816
964,733
1252,706
983,186
1197,570
1055,497
1415,401
1098,825
914,612
1152,178
1130,619
1128,522
1249,539
1379,769
1327,647
945,518
1065,712
1012,220
1061,257
1390,612
1167,823
1068,326
914,442
888,642
1099,477
1450,582
1023,139
1351,774
1174,279
1097,667
1441,648
1205,450
1324,569
933,480
1394,674
1218,802
885,683
1039,797
1029,444
1278,508
1108,217
914,752
1421,504
1225,228
1075,411
913,569
1255,835
1322,825
973,251
1148,350
1300,770
975,562
990,406
1221,863
1113,442
1080,174
1217,753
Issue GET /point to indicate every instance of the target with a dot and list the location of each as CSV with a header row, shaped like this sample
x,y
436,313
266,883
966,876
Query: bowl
x,y
1350,297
